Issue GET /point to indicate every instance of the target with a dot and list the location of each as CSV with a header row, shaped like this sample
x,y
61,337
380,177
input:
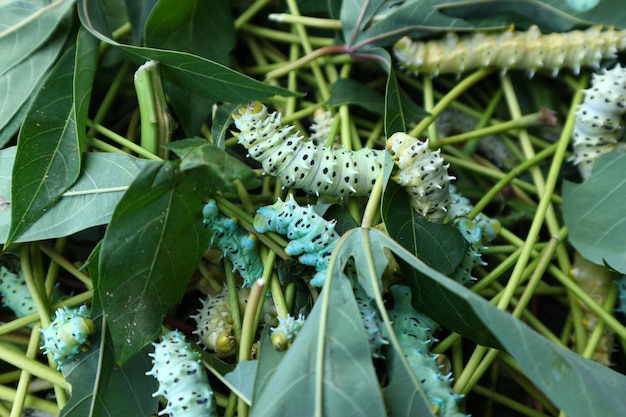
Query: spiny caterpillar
x,y
309,235
413,331
316,169
215,325
530,51
15,293
598,119
68,334
321,127
238,245
182,379
476,232
371,321
424,174
286,332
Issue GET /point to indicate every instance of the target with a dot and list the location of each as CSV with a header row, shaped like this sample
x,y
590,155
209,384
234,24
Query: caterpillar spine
x,y
530,50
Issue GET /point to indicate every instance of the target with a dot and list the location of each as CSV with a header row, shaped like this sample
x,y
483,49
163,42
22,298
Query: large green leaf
x,y
554,15
138,12
328,370
24,26
89,202
203,28
86,63
348,91
149,252
48,155
100,387
196,74
594,212
22,80
556,371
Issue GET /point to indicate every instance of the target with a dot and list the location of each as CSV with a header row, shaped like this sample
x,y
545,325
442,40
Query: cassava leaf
x,y
594,215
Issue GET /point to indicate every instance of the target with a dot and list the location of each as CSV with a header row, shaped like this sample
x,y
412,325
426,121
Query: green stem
x,y
123,141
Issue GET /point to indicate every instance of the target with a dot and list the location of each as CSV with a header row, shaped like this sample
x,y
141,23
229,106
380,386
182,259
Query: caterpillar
x,y
182,380
215,325
423,173
476,232
310,235
598,118
530,50
318,170
413,331
68,334
283,335
238,245
16,295
321,127
371,321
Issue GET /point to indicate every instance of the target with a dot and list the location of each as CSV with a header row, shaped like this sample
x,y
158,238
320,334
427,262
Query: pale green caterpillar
x,y
182,379
68,334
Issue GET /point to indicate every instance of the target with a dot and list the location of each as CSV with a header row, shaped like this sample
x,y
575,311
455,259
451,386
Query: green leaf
x,y
221,123
203,28
223,168
394,114
23,79
86,63
440,246
89,202
26,26
328,370
404,395
196,74
138,12
48,155
150,251
242,379
556,371
268,362
99,386
594,212
348,91
552,15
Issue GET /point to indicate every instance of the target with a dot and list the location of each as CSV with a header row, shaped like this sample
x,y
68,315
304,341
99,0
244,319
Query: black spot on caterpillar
x,y
318,170
530,50
182,379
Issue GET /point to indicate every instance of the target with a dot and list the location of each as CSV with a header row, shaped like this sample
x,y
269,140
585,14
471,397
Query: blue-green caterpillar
x,y
310,235
182,379
68,334
318,170
238,245
16,295
413,331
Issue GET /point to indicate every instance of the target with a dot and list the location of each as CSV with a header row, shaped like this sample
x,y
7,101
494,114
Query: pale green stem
x,y
123,141
34,367
314,22
31,401
429,104
250,12
452,95
22,385
507,402
156,123
67,265
598,331
546,192
284,37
